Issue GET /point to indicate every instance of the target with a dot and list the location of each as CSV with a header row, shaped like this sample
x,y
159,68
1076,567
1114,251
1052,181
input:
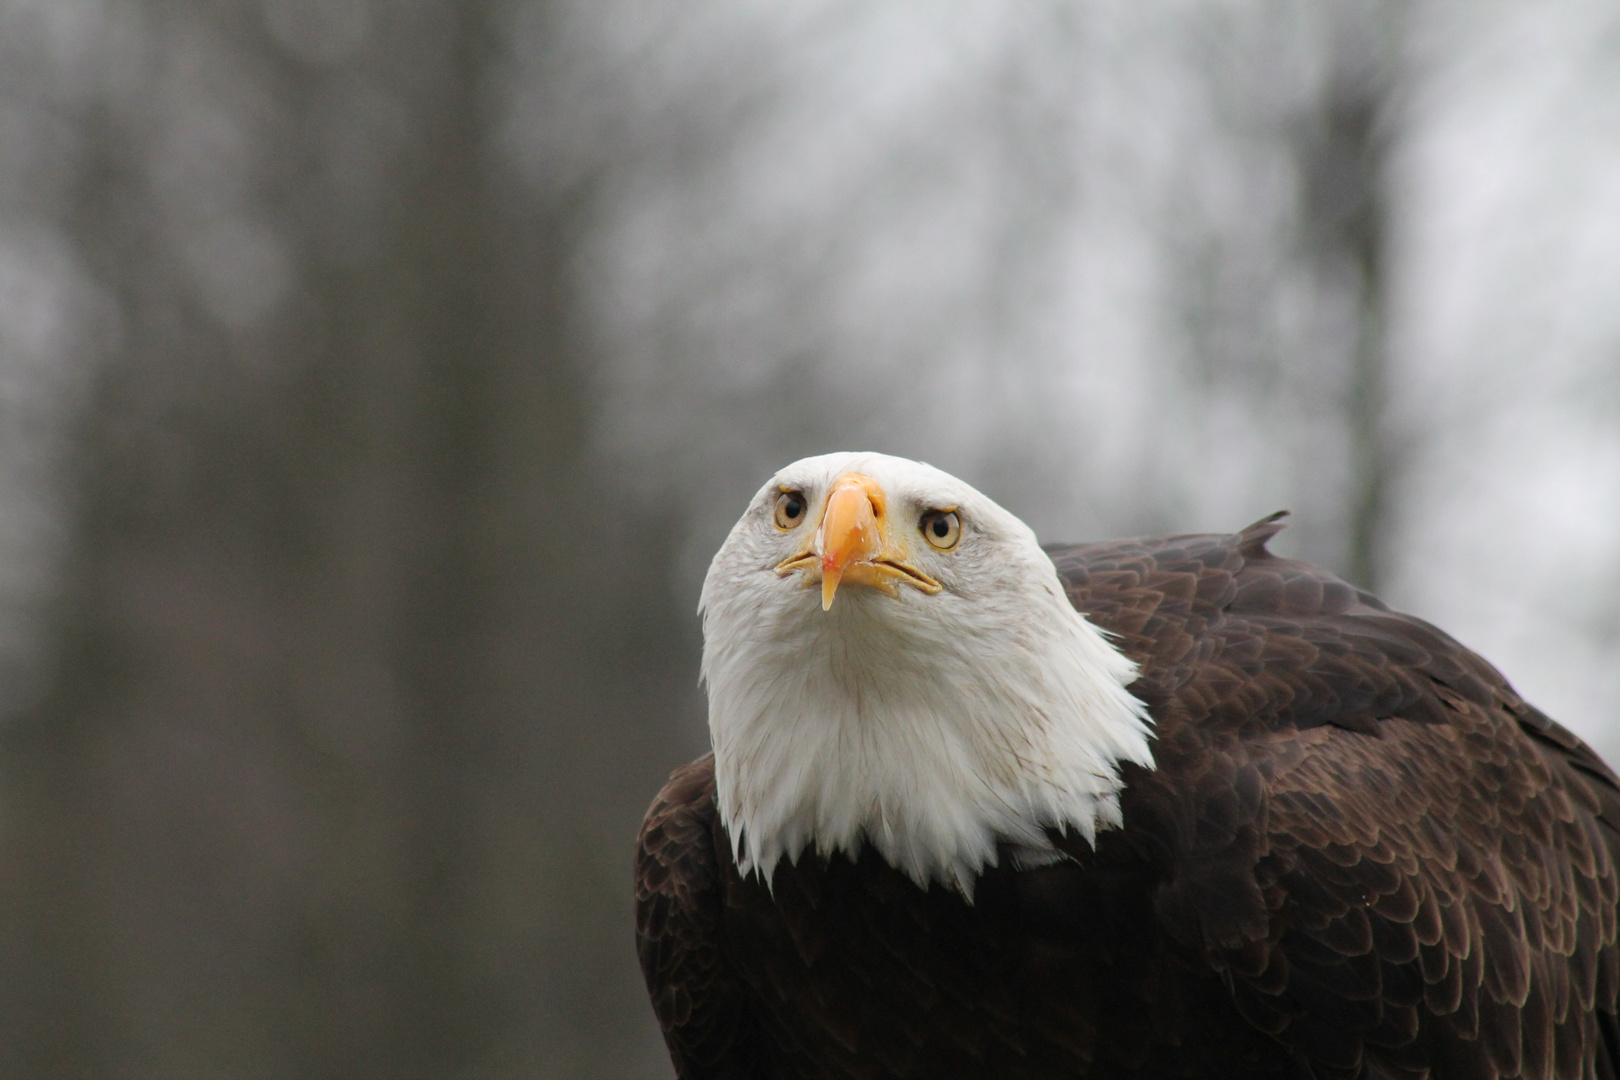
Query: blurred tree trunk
x,y
1343,152
338,775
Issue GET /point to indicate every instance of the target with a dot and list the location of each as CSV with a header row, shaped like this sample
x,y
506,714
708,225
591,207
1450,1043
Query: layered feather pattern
x,y
1360,855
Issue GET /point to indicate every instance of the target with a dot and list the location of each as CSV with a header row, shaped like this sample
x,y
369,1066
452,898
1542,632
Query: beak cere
x,y
851,530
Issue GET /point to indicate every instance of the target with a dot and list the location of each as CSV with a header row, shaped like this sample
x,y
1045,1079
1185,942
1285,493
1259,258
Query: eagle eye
x,y
942,529
789,510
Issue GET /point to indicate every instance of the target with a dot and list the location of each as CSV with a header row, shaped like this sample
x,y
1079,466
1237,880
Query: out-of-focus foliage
x,y
376,380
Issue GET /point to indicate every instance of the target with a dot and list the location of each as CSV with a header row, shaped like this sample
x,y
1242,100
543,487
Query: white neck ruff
x,y
932,727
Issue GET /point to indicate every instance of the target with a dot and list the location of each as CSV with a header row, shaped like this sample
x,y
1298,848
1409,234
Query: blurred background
x,y
376,380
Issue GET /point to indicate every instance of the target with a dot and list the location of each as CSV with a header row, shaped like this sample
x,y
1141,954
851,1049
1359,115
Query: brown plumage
x,y
1361,855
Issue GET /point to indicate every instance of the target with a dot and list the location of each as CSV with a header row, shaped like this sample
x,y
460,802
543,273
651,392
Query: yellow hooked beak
x,y
854,543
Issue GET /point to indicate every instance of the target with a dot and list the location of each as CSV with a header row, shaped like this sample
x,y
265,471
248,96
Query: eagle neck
x,y
940,741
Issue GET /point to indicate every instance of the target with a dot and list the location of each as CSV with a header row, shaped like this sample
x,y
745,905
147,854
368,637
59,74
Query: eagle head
x,y
891,660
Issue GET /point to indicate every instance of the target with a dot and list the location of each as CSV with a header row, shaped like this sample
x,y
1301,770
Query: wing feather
x,y
1396,863
699,1002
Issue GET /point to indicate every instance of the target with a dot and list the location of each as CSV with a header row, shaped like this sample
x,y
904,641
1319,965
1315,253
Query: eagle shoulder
x,y
1394,862
699,1003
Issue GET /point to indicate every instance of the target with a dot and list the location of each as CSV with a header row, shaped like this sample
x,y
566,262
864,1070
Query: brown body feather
x,y
1361,854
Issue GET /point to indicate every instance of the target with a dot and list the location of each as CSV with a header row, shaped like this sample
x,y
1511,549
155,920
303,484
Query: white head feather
x,y
932,726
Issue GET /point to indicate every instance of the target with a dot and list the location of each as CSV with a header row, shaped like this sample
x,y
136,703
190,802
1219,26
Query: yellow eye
x,y
942,528
790,508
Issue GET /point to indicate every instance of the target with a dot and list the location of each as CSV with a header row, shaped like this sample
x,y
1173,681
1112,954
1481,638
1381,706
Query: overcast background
x,y
376,380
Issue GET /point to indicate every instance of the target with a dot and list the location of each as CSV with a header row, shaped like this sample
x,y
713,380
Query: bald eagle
x,y
1172,807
